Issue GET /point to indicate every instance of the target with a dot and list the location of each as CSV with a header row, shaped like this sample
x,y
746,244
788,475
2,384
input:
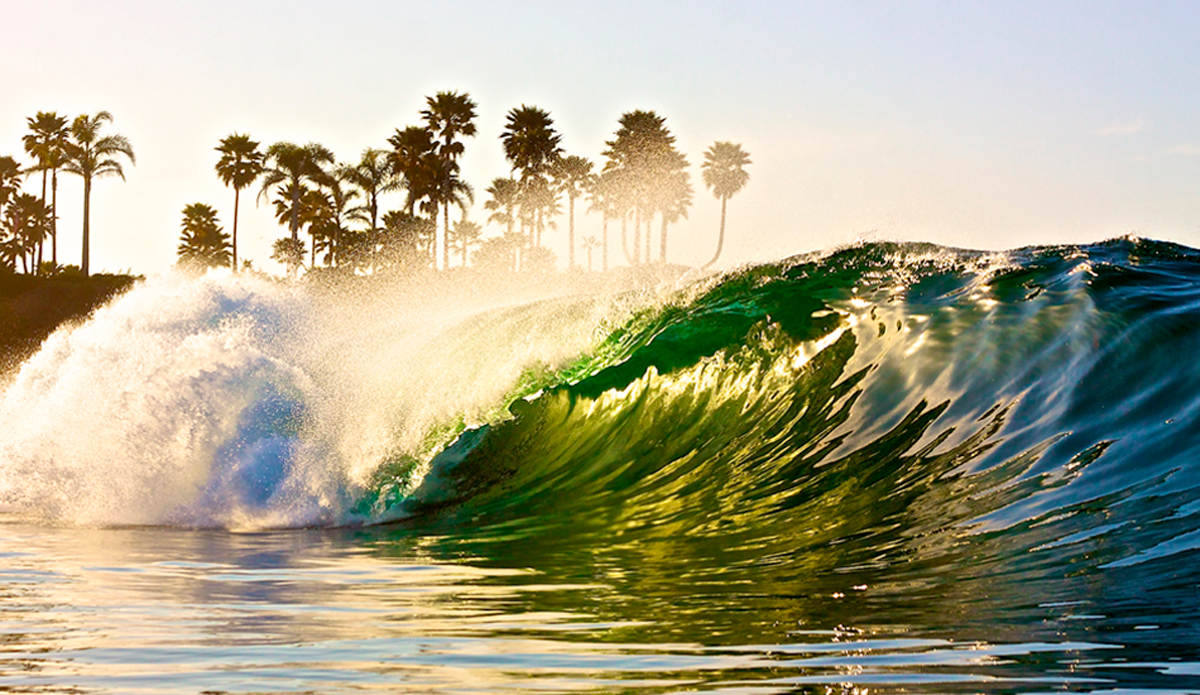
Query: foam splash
x,y
239,402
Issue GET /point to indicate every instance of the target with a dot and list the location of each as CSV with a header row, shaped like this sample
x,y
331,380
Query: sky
x,y
985,125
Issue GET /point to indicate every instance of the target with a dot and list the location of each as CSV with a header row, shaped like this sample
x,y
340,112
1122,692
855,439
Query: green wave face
x,y
987,431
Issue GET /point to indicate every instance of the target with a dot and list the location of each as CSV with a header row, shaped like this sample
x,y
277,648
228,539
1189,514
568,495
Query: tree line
x,y
28,221
332,212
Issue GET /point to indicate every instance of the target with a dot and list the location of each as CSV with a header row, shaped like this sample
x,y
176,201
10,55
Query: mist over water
x,y
241,402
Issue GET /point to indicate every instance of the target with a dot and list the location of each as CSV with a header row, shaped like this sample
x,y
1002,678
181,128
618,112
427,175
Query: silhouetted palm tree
x,y
589,243
25,224
288,252
408,240
463,236
412,157
47,144
449,115
724,172
334,209
374,175
240,165
603,198
203,244
448,189
573,176
505,194
288,167
10,179
89,156
307,207
531,145
643,159
673,200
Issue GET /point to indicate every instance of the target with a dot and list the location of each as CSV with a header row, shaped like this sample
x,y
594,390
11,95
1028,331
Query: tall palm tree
x,y
448,190
644,161
90,155
25,224
505,194
449,116
603,200
374,175
724,171
412,158
47,144
203,243
573,176
589,243
240,165
464,236
532,147
333,212
10,178
288,167
673,198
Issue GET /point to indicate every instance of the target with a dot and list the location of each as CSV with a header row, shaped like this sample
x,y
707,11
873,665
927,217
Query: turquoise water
x,y
893,468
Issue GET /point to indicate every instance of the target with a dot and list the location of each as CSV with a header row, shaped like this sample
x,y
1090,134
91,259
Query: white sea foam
x,y
241,402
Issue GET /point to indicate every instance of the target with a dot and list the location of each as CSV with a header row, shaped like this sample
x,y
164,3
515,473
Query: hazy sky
x,y
977,124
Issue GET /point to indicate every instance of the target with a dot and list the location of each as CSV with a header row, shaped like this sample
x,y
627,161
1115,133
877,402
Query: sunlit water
x,y
168,611
889,469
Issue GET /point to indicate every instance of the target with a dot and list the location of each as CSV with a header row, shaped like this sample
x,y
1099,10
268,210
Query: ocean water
x,y
889,468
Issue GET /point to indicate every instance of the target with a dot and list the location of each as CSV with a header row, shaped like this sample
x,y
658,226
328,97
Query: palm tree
x,y
288,252
240,165
47,144
532,147
448,190
643,160
203,244
308,207
26,223
674,197
589,243
724,172
10,178
573,176
408,240
449,115
465,235
89,156
288,167
333,210
505,194
412,156
374,175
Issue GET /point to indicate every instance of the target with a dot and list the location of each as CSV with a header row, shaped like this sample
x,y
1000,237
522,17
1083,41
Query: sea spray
x,y
242,402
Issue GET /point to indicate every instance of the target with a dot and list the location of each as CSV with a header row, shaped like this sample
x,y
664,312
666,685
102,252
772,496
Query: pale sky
x,y
972,124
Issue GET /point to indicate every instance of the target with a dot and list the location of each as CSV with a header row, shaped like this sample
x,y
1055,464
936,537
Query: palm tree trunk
x,y
604,241
42,243
649,234
720,237
662,256
236,193
624,240
571,232
446,238
54,217
637,236
87,202
294,222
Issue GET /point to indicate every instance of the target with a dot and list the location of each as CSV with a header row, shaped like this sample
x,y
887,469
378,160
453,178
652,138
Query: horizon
x,y
962,124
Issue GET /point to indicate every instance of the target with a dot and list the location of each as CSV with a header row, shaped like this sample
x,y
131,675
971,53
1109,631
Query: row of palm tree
x,y
644,178
80,149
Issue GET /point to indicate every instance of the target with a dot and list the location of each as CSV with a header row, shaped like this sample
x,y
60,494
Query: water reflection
x,y
384,610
